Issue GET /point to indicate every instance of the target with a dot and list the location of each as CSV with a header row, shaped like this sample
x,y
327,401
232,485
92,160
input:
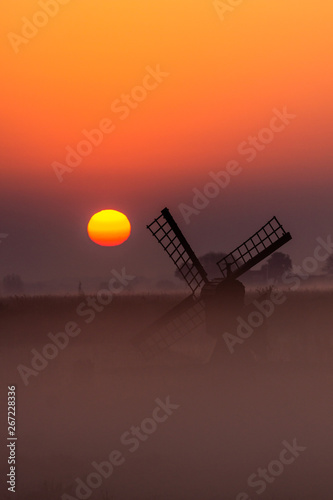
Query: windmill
x,y
225,290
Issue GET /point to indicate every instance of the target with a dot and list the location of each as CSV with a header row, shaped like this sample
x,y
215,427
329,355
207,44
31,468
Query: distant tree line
x,y
274,268
12,283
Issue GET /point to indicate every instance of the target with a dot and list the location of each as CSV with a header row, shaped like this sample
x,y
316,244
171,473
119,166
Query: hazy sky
x,y
185,88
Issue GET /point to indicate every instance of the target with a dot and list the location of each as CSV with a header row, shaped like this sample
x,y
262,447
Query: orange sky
x,y
225,78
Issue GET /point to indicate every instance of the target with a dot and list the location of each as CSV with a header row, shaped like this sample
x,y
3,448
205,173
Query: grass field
x,y
231,418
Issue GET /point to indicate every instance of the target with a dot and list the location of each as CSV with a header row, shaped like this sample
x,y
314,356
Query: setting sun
x,y
109,228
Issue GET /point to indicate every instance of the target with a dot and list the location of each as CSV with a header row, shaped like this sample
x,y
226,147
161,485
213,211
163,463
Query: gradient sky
x,y
225,79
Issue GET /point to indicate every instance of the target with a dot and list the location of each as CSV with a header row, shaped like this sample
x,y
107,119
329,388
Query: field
x,y
220,424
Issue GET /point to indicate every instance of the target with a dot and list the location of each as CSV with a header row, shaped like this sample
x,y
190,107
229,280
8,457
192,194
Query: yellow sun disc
x,y
109,228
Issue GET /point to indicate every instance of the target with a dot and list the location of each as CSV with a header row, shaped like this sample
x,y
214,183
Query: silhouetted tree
x,y
80,290
166,285
12,283
277,264
208,261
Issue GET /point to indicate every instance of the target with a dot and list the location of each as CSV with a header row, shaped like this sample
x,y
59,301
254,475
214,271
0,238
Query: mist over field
x,y
166,250
183,427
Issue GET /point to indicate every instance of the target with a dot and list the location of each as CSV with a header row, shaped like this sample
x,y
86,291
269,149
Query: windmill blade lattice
x,y
171,327
259,246
168,234
191,312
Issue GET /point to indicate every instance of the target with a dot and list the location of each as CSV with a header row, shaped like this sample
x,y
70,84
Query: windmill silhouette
x,y
210,300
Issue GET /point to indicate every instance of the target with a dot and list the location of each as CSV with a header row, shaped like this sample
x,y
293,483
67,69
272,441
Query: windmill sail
x,y
259,246
190,313
168,234
171,327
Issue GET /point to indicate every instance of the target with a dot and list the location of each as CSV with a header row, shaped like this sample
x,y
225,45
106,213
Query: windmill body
x,y
216,302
